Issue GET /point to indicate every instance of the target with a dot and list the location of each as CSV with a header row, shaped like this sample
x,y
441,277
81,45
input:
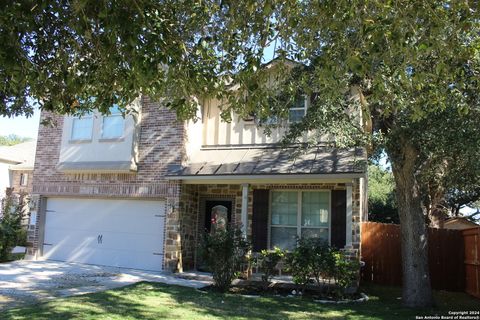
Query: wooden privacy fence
x,y
381,252
472,261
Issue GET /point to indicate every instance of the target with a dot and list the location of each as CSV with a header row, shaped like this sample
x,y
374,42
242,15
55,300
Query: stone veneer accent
x,y
188,219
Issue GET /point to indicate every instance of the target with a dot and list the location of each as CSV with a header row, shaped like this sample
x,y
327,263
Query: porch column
x,y
244,209
348,226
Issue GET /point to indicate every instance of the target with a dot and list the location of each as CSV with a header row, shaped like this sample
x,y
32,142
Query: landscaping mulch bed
x,y
253,288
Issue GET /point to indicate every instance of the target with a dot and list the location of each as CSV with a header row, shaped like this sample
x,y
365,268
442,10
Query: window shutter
x,y
339,218
260,219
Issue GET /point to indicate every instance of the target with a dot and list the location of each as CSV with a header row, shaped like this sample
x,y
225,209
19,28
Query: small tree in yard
x,y
12,233
224,251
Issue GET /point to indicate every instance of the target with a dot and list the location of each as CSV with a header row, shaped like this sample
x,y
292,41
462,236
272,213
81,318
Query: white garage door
x,y
121,233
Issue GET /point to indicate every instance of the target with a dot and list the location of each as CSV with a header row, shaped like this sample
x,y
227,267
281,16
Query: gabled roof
x,y
21,156
462,220
273,161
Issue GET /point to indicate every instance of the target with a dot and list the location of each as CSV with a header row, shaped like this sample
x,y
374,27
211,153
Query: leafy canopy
x,y
382,206
406,61
12,139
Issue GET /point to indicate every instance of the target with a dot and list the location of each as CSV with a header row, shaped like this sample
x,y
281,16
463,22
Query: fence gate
x,y
381,252
471,238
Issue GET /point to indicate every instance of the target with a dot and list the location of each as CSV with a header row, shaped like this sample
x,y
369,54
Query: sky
x,y
22,126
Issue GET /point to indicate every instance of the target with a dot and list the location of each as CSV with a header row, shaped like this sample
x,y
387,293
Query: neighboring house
x,y
138,192
16,167
459,223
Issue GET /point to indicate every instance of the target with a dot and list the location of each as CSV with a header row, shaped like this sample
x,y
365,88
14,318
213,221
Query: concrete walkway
x,y
27,282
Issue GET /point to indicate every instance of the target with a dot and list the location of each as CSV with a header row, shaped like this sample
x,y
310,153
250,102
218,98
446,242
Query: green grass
x,y
159,301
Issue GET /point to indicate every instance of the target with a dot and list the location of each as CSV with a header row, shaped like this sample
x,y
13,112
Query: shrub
x,y
311,258
346,272
12,233
268,260
314,259
224,251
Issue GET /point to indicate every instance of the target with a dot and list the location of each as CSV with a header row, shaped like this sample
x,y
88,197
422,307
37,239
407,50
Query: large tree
x,y
402,65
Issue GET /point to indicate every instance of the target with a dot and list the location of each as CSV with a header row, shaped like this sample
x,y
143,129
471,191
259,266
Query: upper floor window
x,y
113,124
297,110
82,127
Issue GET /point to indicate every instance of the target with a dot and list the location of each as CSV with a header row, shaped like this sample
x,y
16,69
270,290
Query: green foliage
x,y
346,271
382,205
12,233
12,139
224,251
314,259
58,55
268,260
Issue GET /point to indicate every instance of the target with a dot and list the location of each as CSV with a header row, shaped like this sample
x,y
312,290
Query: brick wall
x,y
16,177
160,145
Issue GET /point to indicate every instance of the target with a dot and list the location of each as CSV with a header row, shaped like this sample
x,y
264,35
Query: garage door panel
x,y
97,215
68,237
123,233
115,258
137,242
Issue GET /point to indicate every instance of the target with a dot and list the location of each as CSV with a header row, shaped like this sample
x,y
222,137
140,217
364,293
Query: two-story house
x,y
138,192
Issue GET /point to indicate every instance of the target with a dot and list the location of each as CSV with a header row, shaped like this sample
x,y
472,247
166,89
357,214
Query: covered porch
x,y
272,209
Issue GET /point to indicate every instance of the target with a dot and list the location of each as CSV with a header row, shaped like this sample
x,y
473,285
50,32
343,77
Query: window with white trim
x,y
298,110
113,124
296,214
82,127
23,179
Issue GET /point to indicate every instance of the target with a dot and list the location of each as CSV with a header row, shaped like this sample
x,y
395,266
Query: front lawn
x,y
154,301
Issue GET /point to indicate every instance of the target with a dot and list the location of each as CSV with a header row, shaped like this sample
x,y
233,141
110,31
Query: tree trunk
x,y
416,277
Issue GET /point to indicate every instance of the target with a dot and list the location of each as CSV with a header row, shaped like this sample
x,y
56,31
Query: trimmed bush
x,y
268,260
224,251
314,261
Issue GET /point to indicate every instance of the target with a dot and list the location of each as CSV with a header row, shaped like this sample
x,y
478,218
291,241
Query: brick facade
x,y
16,178
161,145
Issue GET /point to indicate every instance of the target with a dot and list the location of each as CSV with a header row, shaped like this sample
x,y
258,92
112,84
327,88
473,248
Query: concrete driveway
x,y
27,282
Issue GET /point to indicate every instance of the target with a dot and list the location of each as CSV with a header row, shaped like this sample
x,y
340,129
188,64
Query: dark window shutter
x,y
260,219
339,218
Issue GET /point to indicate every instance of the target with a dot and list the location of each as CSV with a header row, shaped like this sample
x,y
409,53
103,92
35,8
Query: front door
x,y
210,205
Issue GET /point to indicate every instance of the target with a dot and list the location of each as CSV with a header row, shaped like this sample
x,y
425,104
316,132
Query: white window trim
x,y
299,213
116,114
305,107
89,116
23,179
